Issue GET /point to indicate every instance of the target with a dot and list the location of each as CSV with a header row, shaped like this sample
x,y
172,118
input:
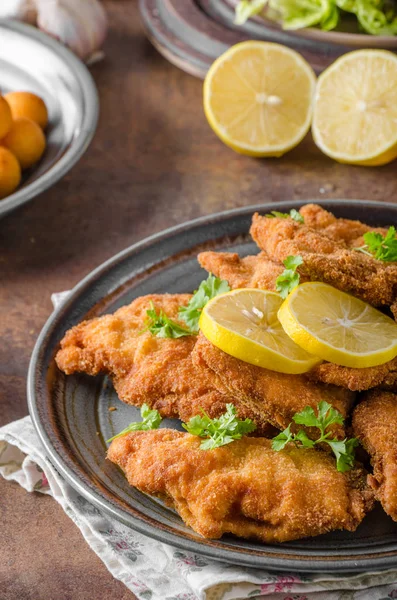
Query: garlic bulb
x,y
79,24
22,10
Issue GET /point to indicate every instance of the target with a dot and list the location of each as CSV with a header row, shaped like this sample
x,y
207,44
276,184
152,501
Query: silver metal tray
x,y
33,61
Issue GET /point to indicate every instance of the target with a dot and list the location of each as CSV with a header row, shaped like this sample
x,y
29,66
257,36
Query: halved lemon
x,y
258,98
244,324
338,327
355,110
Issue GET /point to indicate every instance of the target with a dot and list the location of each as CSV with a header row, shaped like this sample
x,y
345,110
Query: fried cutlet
x,y
146,368
244,488
357,380
327,259
346,230
375,424
274,396
248,272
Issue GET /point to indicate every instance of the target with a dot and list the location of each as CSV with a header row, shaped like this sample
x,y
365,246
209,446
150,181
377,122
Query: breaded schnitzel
x,y
249,272
245,487
145,368
345,230
357,380
274,396
375,424
327,259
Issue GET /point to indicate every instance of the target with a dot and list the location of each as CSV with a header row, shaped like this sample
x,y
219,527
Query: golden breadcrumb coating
x,y
375,425
145,368
276,397
357,380
248,272
245,487
327,259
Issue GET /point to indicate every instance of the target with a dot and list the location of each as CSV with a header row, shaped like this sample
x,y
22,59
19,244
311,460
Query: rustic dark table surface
x,y
154,163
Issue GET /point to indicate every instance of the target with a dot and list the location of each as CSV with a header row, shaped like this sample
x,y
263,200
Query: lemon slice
x,y
338,327
258,98
244,324
355,112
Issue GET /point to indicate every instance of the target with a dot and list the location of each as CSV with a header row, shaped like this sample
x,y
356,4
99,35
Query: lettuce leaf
x,y
248,8
376,17
296,14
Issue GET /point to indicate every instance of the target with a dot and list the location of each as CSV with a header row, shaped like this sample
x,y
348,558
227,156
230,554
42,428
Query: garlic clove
x,y
21,10
82,26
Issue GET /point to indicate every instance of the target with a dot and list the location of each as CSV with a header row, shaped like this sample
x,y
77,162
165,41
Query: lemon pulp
x,y
244,324
355,109
258,98
338,327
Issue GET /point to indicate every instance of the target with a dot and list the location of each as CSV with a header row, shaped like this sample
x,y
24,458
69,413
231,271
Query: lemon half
x,y
258,98
244,324
338,327
355,111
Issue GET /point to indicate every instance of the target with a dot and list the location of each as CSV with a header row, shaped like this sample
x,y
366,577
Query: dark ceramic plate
x,y
72,416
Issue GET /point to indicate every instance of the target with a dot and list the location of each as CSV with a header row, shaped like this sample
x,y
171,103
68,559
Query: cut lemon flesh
x,y
258,98
244,324
355,109
338,327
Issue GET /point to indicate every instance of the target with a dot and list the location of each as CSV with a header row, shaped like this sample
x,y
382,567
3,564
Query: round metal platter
x,y
32,61
73,420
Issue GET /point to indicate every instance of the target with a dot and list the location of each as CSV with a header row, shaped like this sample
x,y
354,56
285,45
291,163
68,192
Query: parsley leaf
x,y
289,278
208,289
151,419
281,440
221,431
326,415
293,214
160,325
379,246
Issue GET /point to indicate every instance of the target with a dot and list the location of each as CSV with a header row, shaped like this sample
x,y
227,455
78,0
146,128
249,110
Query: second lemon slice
x,y
244,324
338,327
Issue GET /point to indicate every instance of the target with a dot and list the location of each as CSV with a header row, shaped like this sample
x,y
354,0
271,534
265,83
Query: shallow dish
x,y
72,417
34,62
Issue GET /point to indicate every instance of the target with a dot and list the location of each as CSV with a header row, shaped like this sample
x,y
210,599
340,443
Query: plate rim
x,y
271,561
88,127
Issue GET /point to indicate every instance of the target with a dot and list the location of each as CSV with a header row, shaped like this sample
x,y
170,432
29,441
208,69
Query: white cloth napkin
x,y
155,571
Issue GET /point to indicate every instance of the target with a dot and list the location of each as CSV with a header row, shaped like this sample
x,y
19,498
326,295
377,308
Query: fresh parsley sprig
x,y
293,214
162,326
208,289
219,432
379,246
326,416
289,278
151,419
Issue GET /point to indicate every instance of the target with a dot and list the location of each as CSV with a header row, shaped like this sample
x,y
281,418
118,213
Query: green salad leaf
x,y
297,14
247,9
376,17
